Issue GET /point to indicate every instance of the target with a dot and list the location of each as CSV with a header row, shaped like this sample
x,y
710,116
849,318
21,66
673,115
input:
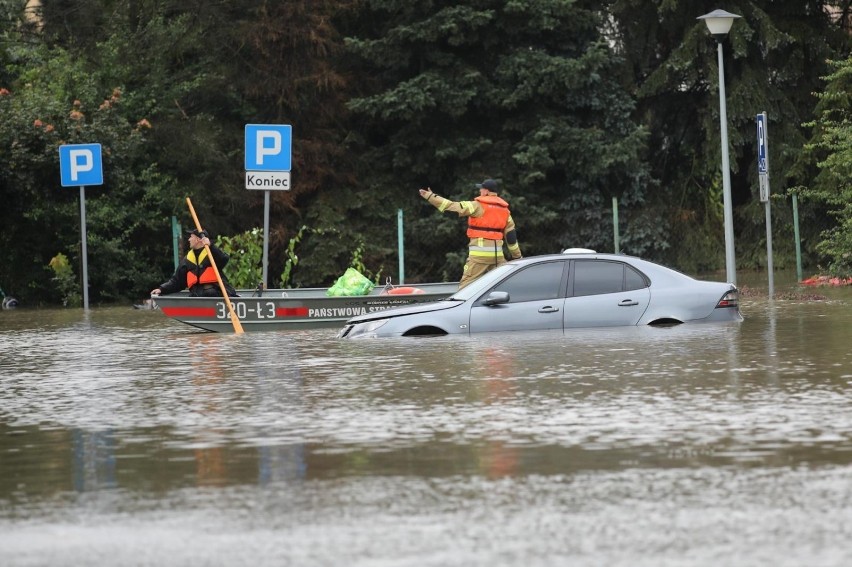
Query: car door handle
x,y
548,309
627,303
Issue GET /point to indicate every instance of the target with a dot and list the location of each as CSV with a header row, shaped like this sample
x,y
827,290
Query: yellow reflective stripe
x,y
514,247
444,204
486,253
468,206
495,249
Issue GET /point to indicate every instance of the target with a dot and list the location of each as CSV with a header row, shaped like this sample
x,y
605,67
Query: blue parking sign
x,y
762,161
269,147
80,165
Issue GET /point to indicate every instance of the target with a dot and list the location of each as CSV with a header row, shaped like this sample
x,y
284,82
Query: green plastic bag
x,y
352,282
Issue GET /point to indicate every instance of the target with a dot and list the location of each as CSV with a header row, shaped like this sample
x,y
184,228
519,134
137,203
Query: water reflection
x,y
93,460
498,457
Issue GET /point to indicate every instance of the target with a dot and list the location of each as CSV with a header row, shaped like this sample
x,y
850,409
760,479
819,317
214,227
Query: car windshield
x,y
484,282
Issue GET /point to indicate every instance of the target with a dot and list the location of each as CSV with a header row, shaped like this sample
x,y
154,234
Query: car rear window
x,y
593,277
633,279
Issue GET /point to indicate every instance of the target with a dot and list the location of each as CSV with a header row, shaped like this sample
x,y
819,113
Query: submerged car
x,y
578,288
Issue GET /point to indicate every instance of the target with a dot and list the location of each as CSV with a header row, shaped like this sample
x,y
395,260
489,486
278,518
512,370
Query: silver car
x,y
575,289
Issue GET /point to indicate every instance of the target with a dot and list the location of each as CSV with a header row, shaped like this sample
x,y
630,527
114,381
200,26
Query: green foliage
x,y
327,236
831,147
307,272
292,258
357,263
245,267
65,281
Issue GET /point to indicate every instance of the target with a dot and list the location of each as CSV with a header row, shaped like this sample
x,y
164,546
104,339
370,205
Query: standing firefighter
x,y
489,223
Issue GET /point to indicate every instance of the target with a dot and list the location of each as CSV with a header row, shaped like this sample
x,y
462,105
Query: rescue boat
x,y
298,308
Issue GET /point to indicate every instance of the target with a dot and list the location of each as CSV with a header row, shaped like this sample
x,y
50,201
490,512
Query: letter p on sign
x,y
80,165
268,144
81,162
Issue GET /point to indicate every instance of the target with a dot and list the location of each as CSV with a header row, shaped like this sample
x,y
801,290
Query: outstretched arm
x,y
175,283
461,208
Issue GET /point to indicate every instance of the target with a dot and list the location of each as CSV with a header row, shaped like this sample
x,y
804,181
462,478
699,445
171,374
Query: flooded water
x,y
129,439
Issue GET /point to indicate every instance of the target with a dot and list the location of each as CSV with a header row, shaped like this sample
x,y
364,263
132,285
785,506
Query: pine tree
x,y
526,92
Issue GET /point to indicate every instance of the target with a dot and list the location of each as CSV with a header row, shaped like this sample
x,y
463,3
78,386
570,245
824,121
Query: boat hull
x,y
277,309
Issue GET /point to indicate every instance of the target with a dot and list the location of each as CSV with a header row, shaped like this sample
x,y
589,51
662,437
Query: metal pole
x,y
265,237
401,246
85,252
798,241
616,244
730,262
769,267
176,234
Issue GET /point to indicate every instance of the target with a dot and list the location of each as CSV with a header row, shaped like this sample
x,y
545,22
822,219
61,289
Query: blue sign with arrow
x,y
762,161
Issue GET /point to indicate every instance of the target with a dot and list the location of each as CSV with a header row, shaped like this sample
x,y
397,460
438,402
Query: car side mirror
x,y
497,298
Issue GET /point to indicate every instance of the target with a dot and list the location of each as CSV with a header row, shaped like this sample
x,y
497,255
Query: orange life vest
x,y
208,276
493,221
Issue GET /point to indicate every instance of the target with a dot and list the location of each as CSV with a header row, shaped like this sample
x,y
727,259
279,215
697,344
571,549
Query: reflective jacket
x,y
492,223
483,249
195,272
199,269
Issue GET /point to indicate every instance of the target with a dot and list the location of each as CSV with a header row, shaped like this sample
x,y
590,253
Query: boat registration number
x,y
243,309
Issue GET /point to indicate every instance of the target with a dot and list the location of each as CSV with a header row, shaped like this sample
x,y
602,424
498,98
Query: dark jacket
x,y
178,281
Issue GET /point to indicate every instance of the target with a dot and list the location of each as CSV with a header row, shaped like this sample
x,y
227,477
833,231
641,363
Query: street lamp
x,y
719,23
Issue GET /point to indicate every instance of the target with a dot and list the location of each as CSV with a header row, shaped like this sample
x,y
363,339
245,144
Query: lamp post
x,y
719,23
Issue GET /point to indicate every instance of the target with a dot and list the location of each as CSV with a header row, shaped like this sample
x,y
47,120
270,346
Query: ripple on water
x,y
641,517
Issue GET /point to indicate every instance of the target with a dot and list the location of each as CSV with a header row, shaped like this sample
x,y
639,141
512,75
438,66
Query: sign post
x,y
81,165
616,246
268,157
763,179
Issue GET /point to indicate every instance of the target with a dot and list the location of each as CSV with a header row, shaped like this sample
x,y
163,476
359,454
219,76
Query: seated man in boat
x,y
489,224
195,272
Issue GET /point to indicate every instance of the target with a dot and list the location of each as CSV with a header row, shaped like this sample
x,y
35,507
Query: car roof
x,y
572,254
584,254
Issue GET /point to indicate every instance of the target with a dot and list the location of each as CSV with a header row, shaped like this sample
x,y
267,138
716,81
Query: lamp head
x,y
719,23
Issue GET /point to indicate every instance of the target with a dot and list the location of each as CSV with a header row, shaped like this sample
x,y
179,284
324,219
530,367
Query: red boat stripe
x,y
291,311
189,311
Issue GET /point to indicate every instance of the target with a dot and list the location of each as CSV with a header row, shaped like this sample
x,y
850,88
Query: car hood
x,y
407,310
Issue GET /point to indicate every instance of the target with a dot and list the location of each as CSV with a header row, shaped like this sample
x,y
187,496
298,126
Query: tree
x,y
55,102
831,149
287,66
521,91
136,107
774,56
